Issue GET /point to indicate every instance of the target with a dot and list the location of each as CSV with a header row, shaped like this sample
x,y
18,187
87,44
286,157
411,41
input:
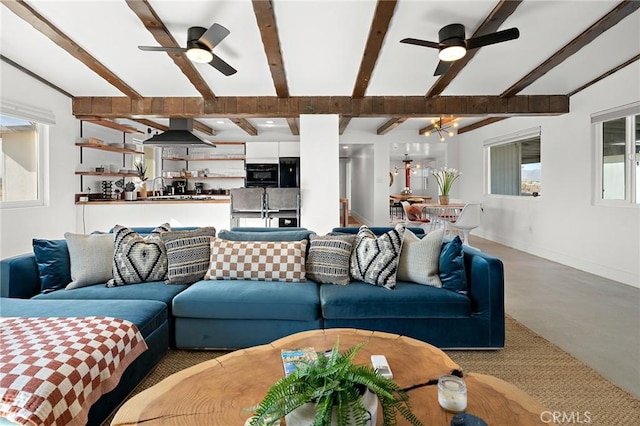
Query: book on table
x,y
292,357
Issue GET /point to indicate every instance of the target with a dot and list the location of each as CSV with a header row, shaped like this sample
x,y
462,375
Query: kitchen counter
x,y
164,199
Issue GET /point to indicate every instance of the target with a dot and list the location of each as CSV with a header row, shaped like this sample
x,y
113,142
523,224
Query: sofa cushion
x,y
407,300
277,235
148,315
374,259
54,265
138,259
90,257
451,266
156,290
188,254
328,259
419,258
249,300
257,260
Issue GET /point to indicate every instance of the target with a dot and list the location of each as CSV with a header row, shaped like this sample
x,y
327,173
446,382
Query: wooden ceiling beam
x,y
245,125
150,123
344,122
604,75
445,122
491,24
263,9
40,23
479,124
293,125
379,26
156,27
374,106
617,14
390,125
203,128
34,75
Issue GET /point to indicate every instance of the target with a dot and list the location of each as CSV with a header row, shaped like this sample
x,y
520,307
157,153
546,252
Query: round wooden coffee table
x,y
225,390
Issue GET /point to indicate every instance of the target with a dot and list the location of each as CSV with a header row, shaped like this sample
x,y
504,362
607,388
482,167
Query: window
x,y
617,140
513,164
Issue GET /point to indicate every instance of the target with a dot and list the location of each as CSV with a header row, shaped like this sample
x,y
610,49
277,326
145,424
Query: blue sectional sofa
x,y
241,313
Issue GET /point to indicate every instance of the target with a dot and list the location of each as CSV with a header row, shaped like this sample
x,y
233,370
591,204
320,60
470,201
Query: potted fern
x,y
333,391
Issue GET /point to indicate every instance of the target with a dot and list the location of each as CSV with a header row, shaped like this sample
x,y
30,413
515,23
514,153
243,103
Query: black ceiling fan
x,y
200,44
453,45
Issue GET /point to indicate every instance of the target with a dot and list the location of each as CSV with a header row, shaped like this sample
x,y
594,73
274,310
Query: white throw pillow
x,y
91,257
420,258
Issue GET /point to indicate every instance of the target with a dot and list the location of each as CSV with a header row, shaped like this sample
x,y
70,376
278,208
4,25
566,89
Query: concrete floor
x,y
594,319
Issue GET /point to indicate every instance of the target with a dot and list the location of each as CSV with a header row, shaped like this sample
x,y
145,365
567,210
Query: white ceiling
x,y
322,44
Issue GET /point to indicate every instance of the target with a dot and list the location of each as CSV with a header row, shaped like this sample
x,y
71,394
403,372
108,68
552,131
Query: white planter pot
x,y
130,196
304,415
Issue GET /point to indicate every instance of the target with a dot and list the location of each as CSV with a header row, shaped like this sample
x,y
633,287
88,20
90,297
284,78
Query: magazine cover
x,y
290,357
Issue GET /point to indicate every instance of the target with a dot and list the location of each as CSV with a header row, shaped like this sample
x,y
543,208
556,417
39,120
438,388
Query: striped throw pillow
x,y
188,254
328,260
374,260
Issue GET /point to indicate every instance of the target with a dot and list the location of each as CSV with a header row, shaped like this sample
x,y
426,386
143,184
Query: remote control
x,y
381,365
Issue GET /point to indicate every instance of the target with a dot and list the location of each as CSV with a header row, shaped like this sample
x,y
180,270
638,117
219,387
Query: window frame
x,y
628,112
43,119
517,136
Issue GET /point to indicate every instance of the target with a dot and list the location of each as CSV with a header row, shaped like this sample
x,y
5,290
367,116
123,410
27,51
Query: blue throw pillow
x,y
452,273
54,266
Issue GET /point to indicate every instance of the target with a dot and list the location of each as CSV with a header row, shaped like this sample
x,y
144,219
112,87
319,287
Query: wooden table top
x,y
225,390
401,197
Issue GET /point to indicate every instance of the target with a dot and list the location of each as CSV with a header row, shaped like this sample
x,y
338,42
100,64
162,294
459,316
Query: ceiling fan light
x,y
452,53
199,55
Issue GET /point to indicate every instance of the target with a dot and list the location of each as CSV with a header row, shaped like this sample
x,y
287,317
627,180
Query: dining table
x,y
409,197
445,214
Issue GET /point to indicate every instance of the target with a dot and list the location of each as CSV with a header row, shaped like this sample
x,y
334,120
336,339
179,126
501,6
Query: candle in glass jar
x,y
452,394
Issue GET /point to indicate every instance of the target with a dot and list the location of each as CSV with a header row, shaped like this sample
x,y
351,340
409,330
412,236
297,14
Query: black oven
x,y
262,175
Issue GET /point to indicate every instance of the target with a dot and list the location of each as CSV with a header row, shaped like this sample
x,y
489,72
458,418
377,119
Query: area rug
x,y
576,393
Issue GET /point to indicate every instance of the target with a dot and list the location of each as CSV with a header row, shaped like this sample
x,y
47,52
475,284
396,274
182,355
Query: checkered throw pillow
x,y
257,260
374,260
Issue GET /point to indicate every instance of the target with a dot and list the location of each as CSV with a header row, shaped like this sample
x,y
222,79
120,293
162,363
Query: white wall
x,y
319,172
19,225
563,225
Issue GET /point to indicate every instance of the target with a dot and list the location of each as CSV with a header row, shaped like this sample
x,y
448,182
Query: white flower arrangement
x,y
445,177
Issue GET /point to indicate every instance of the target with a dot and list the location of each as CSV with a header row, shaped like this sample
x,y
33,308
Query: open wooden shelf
x,y
207,177
205,159
110,148
115,174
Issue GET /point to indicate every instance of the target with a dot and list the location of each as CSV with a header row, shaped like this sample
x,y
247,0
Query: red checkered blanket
x,y
53,369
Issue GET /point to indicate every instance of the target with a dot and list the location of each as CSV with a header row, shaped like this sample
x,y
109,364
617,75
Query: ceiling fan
x,y
200,44
453,45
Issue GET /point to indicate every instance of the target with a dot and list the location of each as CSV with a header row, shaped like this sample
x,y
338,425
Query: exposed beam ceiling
x,y
344,122
159,31
34,75
616,15
373,106
203,128
40,23
244,125
604,75
293,126
379,26
150,123
479,124
263,10
390,125
491,24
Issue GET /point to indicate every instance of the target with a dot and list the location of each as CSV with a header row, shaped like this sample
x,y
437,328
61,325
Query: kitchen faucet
x,y
155,186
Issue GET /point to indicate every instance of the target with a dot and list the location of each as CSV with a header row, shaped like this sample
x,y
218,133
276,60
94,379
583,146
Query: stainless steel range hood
x,y
180,133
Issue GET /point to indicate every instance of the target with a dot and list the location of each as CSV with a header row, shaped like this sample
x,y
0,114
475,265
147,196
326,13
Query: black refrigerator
x,y
289,172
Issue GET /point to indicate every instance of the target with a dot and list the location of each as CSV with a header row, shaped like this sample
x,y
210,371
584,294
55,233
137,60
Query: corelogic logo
x,y
566,417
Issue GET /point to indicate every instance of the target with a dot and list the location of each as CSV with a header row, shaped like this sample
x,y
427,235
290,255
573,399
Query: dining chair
x,y
469,219
413,217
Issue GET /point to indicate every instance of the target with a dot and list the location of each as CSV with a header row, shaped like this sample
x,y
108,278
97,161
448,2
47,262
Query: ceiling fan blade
x,y
442,68
162,49
493,38
214,35
422,43
222,66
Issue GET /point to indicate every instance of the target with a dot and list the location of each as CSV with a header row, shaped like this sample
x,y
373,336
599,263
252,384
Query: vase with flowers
x,y
141,171
445,177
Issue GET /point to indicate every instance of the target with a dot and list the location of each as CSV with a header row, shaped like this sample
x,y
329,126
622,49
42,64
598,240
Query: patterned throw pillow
x,y
374,260
188,254
257,260
137,259
328,260
419,258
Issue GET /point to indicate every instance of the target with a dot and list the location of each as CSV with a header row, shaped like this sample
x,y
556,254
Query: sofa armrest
x,y
485,281
19,277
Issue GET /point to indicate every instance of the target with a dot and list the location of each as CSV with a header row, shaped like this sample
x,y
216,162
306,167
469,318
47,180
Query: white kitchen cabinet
x,y
262,152
289,149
